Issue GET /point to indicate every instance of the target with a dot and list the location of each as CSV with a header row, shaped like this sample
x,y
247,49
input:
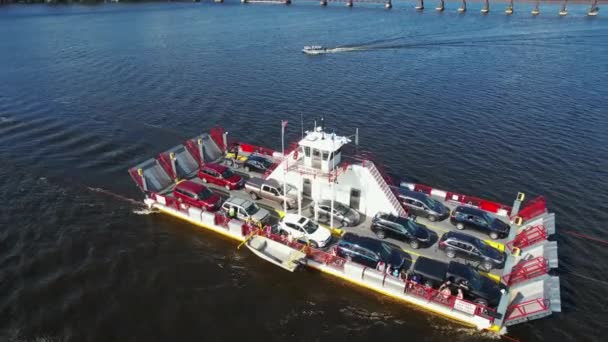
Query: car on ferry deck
x,y
341,213
257,163
401,228
476,287
304,229
472,248
422,205
220,175
196,195
245,210
472,218
369,252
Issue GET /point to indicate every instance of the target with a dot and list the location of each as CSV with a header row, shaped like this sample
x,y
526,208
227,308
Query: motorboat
x,y
275,252
314,50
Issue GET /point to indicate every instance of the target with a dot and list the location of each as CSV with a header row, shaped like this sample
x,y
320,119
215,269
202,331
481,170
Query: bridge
x,y
439,5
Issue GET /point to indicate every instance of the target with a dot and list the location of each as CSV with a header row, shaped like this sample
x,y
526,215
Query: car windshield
x,y
252,209
489,218
227,174
342,209
410,226
205,194
310,227
474,279
433,204
385,251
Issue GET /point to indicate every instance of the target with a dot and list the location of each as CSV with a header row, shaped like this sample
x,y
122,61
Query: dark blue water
x,y
485,105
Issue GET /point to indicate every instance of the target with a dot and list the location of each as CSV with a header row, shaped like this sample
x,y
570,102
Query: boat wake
x,y
144,211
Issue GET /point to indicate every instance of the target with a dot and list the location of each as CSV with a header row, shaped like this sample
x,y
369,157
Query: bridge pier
x,y
349,3
218,1
593,9
564,9
463,7
420,5
440,7
243,1
486,7
536,10
509,9
323,2
388,4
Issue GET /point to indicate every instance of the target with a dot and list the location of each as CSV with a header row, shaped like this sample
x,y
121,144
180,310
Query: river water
x,y
484,105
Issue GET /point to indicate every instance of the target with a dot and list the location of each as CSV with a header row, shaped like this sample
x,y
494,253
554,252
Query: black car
x,y
420,204
401,228
471,248
257,163
473,218
368,252
475,287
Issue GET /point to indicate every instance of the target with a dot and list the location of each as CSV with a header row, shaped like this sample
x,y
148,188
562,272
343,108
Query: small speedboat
x,y
276,252
314,50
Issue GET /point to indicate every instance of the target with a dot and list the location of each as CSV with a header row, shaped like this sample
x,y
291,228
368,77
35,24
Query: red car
x,y
220,175
197,195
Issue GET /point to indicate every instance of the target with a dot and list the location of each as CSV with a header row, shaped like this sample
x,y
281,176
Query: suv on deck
x,y
401,228
220,175
471,248
303,229
342,213
196,195
420,204
472,218
475,287
369,252
257,163
245,210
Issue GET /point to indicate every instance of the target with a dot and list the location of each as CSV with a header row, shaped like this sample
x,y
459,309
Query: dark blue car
x,y
257,163
477,219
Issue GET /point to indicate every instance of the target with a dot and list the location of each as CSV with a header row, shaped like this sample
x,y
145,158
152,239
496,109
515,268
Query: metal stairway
x,y
385,188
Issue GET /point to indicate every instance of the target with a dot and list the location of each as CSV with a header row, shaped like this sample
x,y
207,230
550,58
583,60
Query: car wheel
x,y
204,180
451,253
313,244
415,244
493,235
432,218
487,266
460,226
254,195
247,168
381,234
481,301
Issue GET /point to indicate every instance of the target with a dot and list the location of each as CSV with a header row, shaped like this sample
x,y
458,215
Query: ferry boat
x,y
324,166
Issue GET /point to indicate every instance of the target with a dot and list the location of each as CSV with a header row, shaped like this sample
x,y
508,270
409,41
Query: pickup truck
x,y
475,286
271,189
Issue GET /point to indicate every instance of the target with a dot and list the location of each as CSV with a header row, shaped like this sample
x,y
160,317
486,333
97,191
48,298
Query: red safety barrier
x,y
527,308
528,237
480,203
526,270
534,208
423,188
249,148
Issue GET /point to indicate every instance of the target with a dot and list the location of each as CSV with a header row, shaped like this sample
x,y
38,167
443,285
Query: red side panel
x,y
165,161
192,147
217,134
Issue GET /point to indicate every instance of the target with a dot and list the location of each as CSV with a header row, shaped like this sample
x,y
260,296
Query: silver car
x,y
341,213
245,210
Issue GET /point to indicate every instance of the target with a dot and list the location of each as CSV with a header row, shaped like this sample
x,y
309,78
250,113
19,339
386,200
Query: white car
x,y
302,228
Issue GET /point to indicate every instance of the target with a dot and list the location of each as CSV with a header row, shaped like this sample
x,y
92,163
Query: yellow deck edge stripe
x,y
336,274
404,299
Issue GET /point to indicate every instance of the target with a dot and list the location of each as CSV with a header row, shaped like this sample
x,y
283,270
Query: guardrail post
x,y
144,184
172,157
200,150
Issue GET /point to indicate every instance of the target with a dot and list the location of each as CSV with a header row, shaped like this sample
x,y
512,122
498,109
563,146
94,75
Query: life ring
x,y
295,155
